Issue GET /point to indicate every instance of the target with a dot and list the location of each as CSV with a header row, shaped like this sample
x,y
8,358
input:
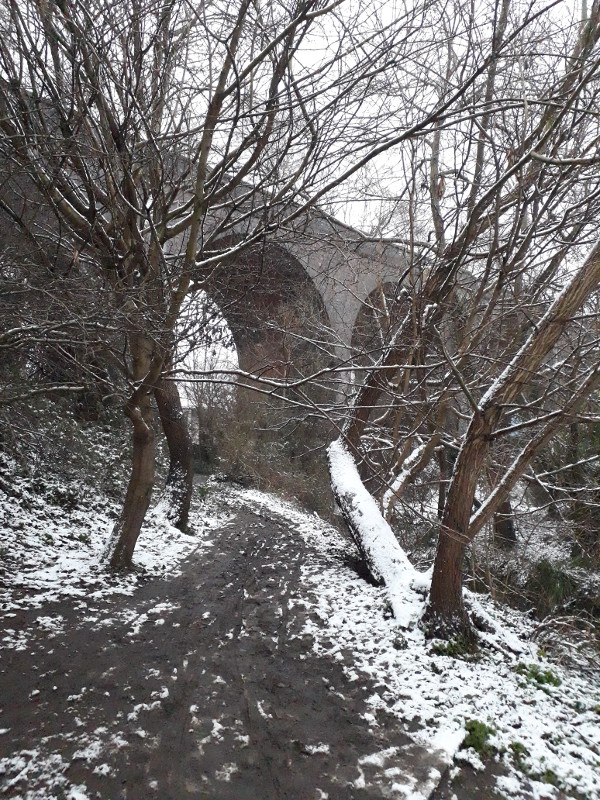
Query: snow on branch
x,y
43,390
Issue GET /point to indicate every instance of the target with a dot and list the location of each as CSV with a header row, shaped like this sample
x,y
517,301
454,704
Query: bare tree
x,y
137,123
493,345
164,139
167,140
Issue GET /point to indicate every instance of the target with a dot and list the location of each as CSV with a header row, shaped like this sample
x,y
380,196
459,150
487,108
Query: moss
x,y
536,675
459,647
478,734
519,753
547,776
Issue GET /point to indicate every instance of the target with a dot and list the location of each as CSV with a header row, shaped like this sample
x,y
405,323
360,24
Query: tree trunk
x,y
505,531
137,499
444,476
445,615
138,410
178,488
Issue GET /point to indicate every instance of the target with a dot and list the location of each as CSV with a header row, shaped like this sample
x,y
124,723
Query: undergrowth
x,y
533,673
478,734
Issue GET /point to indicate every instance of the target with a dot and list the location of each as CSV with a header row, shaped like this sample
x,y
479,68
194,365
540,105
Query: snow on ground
x,y
53,537
52,545
543,721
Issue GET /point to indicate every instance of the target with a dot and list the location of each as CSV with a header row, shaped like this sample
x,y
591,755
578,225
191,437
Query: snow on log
x,y
407,587
376,541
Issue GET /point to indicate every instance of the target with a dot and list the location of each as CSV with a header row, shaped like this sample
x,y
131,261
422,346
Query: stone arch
x,y
272,307
326,271
273,310
344,266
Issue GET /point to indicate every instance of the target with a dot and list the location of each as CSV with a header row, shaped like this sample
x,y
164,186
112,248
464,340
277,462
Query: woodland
x,y
159,159
151,151
145,146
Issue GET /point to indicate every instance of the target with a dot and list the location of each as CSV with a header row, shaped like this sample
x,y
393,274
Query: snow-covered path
x,y
251,662
204,685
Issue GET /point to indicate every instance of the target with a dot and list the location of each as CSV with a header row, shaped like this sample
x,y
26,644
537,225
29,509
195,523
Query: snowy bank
x,y
539,719
53,539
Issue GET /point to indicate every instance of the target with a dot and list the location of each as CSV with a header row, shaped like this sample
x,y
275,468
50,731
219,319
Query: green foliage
x,y
547,776
459,647
519,752
536,675
478,734
551,585
203,492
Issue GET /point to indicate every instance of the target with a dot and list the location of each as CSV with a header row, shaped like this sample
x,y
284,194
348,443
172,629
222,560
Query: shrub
x,y
550,585
459,647
478,734
534,674
519,752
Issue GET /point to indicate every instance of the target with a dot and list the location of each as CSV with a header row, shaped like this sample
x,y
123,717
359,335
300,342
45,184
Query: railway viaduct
x,y
307,281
